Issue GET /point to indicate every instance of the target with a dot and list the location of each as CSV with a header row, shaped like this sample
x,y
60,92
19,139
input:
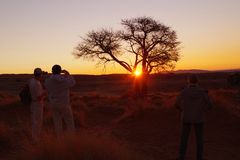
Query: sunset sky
x,y
41,33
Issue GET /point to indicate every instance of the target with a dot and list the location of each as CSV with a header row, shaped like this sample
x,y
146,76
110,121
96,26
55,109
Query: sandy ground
x,y
153,131
156,132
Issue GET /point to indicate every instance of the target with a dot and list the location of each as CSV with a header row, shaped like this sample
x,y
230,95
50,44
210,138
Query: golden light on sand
x,y
137,73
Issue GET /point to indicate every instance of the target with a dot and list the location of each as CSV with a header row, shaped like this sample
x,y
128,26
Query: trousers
x,y
186,128
62,113
36,109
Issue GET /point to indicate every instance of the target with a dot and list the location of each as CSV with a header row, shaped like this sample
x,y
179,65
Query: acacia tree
x,y
149,43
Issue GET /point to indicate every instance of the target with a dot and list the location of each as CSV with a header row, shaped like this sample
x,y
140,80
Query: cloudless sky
x,y
41,33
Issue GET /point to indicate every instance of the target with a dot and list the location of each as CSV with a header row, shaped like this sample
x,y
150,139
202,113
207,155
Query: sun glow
x,y
137,73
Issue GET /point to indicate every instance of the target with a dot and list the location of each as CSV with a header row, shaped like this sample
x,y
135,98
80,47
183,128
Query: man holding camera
x,y
58,85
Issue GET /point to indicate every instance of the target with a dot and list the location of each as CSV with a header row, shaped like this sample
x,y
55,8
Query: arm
x,y
209,104
69,79
178,102
36,91
42,96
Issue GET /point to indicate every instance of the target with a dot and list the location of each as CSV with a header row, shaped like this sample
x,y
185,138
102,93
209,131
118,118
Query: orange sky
x,y
44,33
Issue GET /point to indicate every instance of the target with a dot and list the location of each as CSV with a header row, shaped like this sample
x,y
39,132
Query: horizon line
x,y
179,70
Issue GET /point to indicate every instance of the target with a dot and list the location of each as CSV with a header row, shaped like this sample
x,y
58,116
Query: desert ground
x,y
111,124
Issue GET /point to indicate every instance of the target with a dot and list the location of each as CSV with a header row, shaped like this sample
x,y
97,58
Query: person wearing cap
x,y
36,107
193,101
58,87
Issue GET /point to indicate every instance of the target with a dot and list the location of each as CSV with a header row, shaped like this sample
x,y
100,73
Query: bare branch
x,y
146,41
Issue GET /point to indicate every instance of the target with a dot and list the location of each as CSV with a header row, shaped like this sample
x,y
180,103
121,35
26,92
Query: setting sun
x,y
137,73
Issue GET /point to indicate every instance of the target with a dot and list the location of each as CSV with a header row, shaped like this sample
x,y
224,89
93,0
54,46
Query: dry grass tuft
x,y
227,98
6,141
85,146
6,99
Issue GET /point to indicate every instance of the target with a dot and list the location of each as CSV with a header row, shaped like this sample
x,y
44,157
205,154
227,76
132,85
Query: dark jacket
x,y
193,101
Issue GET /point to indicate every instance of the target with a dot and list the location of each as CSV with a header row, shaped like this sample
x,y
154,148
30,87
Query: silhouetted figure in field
x,y
58,86
234,81
193,101
36,107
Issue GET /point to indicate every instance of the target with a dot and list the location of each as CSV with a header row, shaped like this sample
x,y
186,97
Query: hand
x,y
65,72
44,94
42,97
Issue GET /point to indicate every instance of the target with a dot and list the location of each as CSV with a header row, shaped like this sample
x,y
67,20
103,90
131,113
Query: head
x,y
37,72
56,69
192,79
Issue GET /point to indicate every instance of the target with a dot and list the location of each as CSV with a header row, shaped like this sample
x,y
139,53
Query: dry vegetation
x,y
113,125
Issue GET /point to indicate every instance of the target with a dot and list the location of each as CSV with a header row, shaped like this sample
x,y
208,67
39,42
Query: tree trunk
x,y
140,86
144,87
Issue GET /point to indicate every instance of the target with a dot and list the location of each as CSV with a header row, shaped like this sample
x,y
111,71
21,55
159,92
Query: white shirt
x,y
58,88
36,89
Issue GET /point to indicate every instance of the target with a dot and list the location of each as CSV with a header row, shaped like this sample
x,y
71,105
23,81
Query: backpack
x,y
25,95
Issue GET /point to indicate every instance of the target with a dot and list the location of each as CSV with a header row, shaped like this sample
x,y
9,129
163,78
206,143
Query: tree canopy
x,y
148,43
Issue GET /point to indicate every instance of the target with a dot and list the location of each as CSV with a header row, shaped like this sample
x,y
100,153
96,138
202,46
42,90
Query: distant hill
x,y
229,70
191,71
205,71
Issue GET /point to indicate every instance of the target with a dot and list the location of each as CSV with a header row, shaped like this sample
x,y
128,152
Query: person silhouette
x,y
193,101
58,86
37,95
